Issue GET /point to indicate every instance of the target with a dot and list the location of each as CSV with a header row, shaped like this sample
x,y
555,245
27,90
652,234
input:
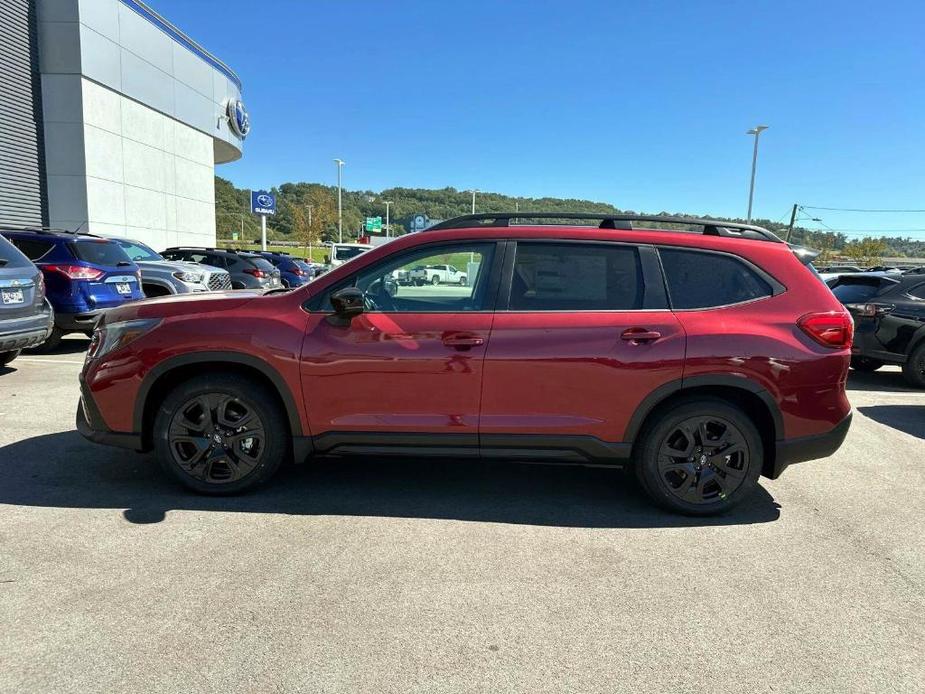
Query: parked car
x,y
160,277
84,276
889,319
26,317
340,253
437,274
247,270
293,272
700,360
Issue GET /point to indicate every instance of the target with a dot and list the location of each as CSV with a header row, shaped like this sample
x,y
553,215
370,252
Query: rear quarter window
x,y
106,253
702,279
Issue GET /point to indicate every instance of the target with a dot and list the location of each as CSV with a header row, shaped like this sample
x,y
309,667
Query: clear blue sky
x,y
643,105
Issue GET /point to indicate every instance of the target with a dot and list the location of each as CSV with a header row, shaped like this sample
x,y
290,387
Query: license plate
x,y
11,296
123,288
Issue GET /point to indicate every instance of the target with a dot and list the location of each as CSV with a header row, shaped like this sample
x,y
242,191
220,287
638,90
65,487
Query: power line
x,y
856,209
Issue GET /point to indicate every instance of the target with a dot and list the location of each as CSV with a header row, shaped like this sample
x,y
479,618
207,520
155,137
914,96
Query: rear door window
x,y
701,279
106,253
576,277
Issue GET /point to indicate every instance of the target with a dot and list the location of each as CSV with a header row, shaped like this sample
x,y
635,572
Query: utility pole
x,y
793,219
388,231
340,205
310,233
756,131
473,199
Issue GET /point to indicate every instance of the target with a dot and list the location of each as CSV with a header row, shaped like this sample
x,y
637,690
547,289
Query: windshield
x,y
100,252
138,251
302,265
855,292
262,263
347,252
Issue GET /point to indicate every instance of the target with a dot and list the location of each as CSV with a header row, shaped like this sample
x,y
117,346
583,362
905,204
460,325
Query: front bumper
x,y
91,426
30,331
806,448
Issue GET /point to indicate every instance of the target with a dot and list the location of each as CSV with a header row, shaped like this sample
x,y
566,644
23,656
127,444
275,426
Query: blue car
x,y
293,272
84,276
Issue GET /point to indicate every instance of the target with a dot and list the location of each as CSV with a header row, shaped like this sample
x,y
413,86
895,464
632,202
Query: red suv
x,y
702,359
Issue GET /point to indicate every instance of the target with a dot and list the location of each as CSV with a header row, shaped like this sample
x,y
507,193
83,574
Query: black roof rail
x,y
43,230
711,227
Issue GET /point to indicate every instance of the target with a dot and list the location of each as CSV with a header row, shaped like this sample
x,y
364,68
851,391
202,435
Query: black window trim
x,y
777,287
314,303
655,294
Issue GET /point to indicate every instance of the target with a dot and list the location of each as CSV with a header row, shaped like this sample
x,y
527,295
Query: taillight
x,y
870,310
259,274
40,289
74,272
298,271
832,329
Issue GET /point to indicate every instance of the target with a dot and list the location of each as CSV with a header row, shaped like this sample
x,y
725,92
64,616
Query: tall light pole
x,y
756,131
340,202
473,191
388,231
310,232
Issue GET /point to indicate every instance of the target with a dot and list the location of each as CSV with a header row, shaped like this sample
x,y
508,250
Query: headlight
x,y
116,335
188,277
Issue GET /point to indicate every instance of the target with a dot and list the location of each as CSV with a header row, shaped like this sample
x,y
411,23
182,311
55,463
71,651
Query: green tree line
x,y
294,222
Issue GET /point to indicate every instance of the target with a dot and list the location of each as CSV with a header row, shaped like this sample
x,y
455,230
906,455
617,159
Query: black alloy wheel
x,y
220,434
914,368
699,457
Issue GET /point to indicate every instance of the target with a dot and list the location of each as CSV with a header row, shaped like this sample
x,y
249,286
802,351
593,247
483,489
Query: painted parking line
x,y
31,360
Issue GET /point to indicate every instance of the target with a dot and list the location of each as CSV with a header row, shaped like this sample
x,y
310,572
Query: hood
x,y
182,304
176,266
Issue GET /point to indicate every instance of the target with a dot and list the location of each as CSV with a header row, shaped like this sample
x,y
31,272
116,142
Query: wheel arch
x,y
750,396
163,377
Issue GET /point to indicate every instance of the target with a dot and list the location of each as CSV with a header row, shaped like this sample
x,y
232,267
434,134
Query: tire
x,y
197,443
697,482
51,343
462,281
435,280
865,364
7,357
914,368
418,283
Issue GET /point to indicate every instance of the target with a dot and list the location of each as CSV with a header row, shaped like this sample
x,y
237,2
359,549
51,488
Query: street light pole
x,y
340,203
473,199
310,259
756,131
388,229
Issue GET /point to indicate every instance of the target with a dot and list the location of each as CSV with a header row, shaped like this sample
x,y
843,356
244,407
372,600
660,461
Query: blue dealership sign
x,y
263,202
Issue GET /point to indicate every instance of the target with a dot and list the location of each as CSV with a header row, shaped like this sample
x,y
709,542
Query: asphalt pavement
x,y
396,576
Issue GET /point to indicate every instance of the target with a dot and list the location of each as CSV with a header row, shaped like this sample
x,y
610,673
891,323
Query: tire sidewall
x,y
247,390
912,369
646,455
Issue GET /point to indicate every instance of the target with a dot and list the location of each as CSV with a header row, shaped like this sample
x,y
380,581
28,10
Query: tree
x,y
866,251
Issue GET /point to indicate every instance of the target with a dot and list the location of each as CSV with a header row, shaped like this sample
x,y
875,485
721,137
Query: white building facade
x,y
133,116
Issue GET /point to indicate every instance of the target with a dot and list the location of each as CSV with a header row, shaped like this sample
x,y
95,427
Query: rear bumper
x,y
812,447
30,331
91,426
77,322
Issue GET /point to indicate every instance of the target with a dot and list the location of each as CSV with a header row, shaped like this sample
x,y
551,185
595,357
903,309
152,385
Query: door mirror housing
x,y
347,302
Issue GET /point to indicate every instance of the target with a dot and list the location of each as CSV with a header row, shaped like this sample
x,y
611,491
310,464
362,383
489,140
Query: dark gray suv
x,y
248,270
26,317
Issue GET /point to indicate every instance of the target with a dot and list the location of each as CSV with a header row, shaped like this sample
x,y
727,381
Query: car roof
x,y
56,234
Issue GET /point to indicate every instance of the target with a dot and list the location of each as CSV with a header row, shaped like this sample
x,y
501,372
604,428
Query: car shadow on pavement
x,y
883,381
69,345
907,418
63,470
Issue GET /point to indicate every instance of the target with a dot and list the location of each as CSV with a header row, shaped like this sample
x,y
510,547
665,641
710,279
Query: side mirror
x,y
347,302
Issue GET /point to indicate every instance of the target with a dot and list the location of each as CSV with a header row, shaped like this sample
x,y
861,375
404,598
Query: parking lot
x,y
375,575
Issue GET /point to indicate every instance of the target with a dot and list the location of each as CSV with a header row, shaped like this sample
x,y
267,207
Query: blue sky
x,y
641,104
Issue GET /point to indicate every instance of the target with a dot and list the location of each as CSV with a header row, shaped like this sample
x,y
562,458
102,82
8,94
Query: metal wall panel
x,y
23,198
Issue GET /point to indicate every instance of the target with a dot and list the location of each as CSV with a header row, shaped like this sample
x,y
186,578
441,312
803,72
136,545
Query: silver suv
x,y
160,276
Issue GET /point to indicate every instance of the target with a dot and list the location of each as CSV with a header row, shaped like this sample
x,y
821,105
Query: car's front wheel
x,y
220,434
7,357
699,458
435,280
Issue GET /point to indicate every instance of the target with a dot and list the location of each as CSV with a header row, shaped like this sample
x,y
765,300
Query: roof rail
x,y
711,227
42,230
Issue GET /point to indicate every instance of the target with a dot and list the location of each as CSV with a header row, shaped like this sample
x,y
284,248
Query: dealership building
x,y
112,121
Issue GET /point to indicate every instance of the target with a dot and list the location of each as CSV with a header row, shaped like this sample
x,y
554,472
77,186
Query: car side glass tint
x,y
576,277
701,279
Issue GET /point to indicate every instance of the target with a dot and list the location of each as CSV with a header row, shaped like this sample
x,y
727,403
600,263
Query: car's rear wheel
x,y
435,280
220,434
699,458
865,364
7,357
51,343
914,368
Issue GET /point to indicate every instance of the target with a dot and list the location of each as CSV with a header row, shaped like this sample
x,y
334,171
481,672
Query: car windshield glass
x,y
262,263
302,265
100,252
853,292
138,251
10,256
348,252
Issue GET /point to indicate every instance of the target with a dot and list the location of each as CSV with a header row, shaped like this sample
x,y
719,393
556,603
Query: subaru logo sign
x,y
263,202
238,119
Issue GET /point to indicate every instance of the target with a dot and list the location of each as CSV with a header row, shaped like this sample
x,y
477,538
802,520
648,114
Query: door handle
x,y
463,341
639,335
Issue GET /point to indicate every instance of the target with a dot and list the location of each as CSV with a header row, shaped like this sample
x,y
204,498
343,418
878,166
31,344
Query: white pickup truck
x,y
437,274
